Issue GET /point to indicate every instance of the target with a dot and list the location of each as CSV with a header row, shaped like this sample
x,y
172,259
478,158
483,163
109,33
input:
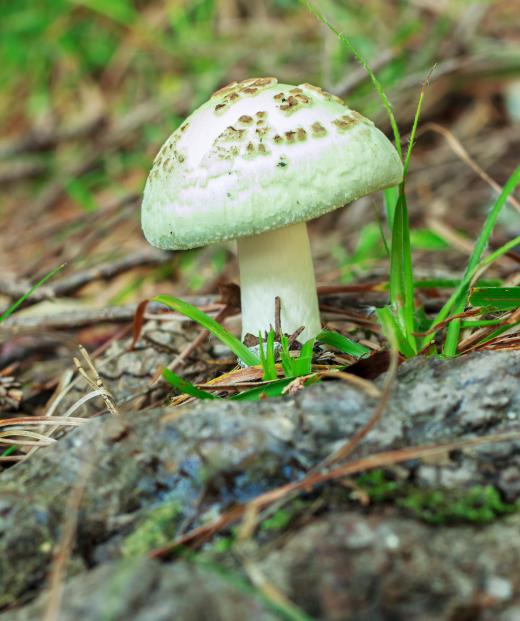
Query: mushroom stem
x,y
278,263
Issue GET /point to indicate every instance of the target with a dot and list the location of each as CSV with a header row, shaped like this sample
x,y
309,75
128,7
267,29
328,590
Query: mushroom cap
x,y
258,156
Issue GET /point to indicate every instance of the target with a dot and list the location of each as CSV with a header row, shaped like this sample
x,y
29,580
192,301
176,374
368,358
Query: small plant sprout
x,y
255,163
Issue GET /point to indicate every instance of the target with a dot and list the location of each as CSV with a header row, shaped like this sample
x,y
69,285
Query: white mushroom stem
x,y
278,263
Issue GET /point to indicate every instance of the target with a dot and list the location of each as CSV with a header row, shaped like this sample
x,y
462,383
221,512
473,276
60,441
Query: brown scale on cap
x,y
168,152
291,136
222,92
288,103
278,139
226,152
359,117
230,134
245,119
318,130
262,82
167,157
226,144
261,117
346,121
167,165
323,94
237,90
254,150
343,123
262,131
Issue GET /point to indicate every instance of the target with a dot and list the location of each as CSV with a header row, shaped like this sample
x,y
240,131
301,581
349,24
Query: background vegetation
x,y
92,88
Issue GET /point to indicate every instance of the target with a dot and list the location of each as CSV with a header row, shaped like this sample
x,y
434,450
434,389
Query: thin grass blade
x,y
195,314
457,301
343,344
184,386
496,298
21,300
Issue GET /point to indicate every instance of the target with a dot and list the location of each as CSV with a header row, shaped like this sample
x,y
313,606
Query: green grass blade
x,y
343,344
184,386
236,346
274,389
496,298
286,358
401,273
425,239
411,142
377,85
408,282
9,451
393,332
513,243
482,323
267,357
303,364
48,276
391,196
451,283
458,300
270,357
261,353
401,270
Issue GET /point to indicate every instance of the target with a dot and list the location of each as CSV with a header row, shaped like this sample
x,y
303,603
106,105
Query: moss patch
x,y
156,529
281,519
479,504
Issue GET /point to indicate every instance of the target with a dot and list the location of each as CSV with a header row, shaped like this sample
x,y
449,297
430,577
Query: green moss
x,y
378,486
479,504
156,529
222,544
279,521
281,518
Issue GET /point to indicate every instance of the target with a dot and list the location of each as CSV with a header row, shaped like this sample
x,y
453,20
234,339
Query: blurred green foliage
x,y
135,49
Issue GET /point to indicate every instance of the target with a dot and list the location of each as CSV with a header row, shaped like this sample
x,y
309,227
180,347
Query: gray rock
x,y
378,568
147,590
205,457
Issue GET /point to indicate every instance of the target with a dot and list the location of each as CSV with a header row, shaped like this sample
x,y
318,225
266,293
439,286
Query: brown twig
x,y
277,316
460,151
359,75
117,133
90,122
377,460
70,284
18,171
89,316
344,451
63,552
351,316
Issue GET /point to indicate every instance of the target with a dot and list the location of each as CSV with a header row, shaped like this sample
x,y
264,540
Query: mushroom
x,y
254,163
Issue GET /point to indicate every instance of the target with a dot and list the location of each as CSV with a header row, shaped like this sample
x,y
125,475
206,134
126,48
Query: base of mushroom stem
x,y
278,264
